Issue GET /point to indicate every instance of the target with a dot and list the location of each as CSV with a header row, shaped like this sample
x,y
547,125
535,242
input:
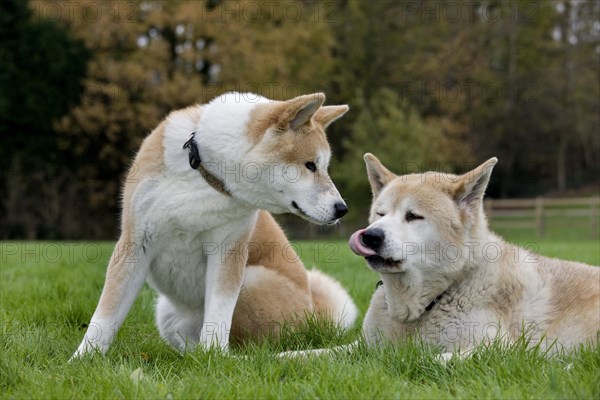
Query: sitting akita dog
x,y
191,221
447,278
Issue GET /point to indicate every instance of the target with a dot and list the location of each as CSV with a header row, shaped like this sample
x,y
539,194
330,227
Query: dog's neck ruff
x,y
196,163
430,305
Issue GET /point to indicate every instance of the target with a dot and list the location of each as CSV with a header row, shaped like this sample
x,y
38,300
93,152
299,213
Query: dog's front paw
x,y
214,336
444,357
85,348
456,355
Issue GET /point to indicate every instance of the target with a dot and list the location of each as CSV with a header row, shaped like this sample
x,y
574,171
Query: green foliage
x,y
430,85
395,132
132,86
41,68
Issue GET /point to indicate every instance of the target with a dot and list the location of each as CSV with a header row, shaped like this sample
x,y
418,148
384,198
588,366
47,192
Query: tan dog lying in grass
x,y
446,278
449,279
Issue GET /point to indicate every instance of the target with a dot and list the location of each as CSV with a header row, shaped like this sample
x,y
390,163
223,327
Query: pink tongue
x,y
357,246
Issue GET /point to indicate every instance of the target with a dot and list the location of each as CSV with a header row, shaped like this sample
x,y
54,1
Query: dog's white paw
x,y
86,347
458,355
444,357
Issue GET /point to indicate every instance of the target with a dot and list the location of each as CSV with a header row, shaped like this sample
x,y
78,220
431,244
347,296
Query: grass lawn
x,y
48,290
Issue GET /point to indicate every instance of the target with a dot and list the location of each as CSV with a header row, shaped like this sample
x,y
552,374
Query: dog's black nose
x,y
340,210
373,238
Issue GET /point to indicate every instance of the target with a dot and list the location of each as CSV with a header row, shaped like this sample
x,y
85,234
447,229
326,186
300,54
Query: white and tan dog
x,y
191,222
448,279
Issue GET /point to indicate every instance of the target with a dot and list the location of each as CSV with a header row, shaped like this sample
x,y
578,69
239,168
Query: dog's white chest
x,y
178,269
181,231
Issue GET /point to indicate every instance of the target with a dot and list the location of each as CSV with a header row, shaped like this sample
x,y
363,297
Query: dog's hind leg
x,y
268,300
181,328
125,276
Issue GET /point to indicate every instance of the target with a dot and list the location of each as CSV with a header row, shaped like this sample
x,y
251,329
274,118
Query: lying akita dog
x,y
191,220
447,278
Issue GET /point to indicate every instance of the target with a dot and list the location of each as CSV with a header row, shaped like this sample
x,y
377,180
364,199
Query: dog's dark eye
x,y
311,166
380,214
410,216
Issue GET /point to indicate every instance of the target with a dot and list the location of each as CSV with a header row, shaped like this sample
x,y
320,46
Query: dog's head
x,y
290,157
422,222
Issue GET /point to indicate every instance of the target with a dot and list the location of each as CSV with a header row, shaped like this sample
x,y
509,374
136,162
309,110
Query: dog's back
x,y
573,301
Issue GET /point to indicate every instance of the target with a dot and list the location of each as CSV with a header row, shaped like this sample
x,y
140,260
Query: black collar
x,y
196,163
435,301
430,305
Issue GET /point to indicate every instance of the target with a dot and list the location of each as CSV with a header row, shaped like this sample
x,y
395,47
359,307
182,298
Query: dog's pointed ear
x,y
379,176
299,110
328,114
470,187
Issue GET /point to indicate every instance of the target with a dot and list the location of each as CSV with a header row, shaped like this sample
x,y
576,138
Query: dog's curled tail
x,y
331,299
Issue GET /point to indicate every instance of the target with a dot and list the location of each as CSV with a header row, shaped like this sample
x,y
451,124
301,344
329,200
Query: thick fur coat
x,y
192,243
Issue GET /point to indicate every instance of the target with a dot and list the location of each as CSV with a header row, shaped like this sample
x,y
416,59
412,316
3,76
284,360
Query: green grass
x,y
48,290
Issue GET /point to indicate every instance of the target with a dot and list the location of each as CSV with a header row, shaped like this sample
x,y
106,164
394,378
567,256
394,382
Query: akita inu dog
x,y
191,222
448,279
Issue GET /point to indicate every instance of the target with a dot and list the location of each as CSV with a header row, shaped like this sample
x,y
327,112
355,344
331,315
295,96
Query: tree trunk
x,y
567,115
561,164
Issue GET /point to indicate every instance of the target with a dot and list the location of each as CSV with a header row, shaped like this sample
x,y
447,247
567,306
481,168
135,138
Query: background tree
x,y
396,133
152,58
431,84
41,68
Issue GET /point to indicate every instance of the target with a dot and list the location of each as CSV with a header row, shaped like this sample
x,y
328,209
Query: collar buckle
x,y
196,163
193,154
